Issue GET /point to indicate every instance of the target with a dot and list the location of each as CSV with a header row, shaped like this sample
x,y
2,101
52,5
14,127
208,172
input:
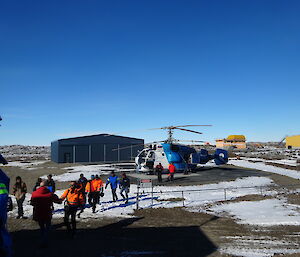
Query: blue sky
x,y
81,67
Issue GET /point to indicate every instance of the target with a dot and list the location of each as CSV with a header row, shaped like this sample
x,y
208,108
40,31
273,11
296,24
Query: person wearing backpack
x,y
74,199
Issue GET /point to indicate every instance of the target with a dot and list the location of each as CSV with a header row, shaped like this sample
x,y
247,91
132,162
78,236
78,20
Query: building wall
x,y
97,148
54,151
225,144
292,141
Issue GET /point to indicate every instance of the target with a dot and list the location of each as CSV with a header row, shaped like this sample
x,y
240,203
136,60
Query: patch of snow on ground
x,y
253,246
191,199
256,252
25,165
270,212
88,170
284,162
268,168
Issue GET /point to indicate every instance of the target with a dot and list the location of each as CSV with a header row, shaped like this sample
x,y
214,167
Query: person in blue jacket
x,y
5,240
113,181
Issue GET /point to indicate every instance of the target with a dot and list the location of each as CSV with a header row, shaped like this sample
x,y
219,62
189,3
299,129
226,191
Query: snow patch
x,y
270,212
268,168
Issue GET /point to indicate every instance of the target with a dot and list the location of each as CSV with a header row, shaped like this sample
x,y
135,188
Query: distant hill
x,y
25,152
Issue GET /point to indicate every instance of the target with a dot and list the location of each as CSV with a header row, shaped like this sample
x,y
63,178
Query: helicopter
x,y
185,158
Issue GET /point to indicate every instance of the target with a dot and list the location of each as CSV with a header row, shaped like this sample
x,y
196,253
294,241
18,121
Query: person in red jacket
x,y
172,172
42,200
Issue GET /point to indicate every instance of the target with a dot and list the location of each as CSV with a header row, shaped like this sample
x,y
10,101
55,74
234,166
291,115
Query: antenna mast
x,y
170,133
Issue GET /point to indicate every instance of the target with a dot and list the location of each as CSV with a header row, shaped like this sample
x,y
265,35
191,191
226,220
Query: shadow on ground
x,y
117,239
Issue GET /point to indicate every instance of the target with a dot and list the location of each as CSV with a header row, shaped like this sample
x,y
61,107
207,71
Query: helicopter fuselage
x,y
182,156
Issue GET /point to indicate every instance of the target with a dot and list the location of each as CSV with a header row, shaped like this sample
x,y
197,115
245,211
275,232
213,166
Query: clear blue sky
x,y
76,67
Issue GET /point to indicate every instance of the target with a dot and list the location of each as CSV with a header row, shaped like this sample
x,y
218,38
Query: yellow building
x,y
232,141
292,142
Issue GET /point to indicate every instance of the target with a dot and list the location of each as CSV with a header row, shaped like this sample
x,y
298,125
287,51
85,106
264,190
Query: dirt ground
x,y
157,232
152,232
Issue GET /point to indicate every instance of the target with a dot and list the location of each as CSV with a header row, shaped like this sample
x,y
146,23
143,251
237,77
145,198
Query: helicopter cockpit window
x,y
151,155
143,154
174,148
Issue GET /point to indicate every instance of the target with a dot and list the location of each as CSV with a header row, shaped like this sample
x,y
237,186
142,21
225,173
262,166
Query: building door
x,y
67,158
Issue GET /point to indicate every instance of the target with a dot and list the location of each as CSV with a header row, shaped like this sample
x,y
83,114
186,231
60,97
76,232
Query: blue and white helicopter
x,y
185,158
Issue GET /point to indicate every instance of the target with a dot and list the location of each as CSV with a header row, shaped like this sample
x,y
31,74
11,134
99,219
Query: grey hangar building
x,y
95,148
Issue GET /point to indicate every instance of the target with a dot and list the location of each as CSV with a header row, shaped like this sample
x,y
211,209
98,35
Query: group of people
x,y
74,198
20,190
159,170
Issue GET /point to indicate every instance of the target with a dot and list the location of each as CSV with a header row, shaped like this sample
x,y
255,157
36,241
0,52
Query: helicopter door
x,y
150,160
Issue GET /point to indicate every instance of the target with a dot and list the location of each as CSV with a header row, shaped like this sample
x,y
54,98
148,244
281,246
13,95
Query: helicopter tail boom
x,y
220,157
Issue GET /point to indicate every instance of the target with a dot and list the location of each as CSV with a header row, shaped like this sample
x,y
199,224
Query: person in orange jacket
x,y
74,199
171,172
95,189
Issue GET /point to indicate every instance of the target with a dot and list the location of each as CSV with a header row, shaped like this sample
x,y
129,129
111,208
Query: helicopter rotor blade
x,y
188,130
193,126
174,127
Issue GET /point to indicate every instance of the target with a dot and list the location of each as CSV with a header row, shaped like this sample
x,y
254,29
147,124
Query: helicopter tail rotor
x,y
221,156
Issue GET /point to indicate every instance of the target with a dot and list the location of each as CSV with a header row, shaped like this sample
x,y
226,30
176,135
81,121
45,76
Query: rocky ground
x,y
161,231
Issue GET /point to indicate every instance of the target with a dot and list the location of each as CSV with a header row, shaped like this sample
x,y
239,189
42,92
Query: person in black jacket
x,y
159,169
50,183
37,184
124,186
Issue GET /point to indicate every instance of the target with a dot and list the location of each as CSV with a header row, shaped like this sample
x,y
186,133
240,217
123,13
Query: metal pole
x,y
74,153
225,194
182,199
104,153
152,197
118,153
137,198
90,153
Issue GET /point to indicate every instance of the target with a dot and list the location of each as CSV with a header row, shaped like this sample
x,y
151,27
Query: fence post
x,y
151,196
137,198
261,191
182,199
225,194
